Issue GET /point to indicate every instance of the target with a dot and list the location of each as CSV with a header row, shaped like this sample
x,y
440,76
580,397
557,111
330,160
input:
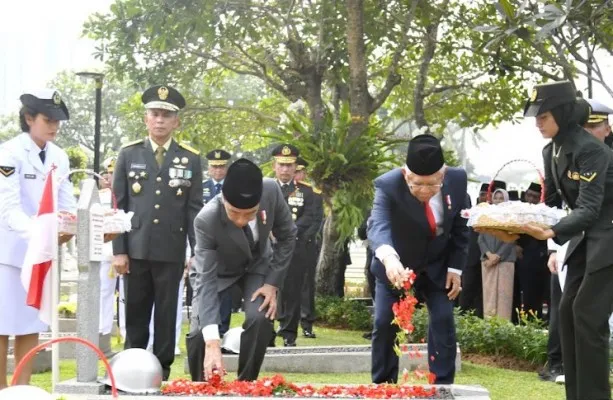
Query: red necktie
x,y
430,218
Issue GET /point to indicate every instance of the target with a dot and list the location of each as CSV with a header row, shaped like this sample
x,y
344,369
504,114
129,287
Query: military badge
x,y
286,151
57,100
131,174
533,95
179,192
263,216
7,171
184,160
588,176
176,160
136,187
163,92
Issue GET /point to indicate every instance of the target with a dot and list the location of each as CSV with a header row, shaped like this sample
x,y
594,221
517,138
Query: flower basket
x,y
511,216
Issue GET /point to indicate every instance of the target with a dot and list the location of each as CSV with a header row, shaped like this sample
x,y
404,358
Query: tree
x,y
564,37
418,61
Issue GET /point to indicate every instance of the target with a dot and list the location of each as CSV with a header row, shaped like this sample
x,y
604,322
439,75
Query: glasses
x,y
420,186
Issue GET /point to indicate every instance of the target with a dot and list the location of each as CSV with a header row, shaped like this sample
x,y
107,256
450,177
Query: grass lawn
x,y
503,384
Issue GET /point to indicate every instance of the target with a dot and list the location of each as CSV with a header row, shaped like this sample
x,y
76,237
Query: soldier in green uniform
x,y
307,217
307,304
160,180
579,174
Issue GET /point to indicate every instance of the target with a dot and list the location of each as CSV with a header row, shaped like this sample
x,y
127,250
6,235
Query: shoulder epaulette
x,y
132,143
189,148
316,191
305,184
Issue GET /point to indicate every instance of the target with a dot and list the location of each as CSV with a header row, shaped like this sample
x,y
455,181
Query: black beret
x,y
47,102
163,97
535,187
425,155
499,185
242,187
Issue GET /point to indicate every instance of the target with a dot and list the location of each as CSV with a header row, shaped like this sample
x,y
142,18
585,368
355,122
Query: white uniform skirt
x,y
16,318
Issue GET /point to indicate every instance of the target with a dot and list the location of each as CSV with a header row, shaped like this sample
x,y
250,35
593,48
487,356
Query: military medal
x,y
179,192
175,160
172,172
173,182
184,160
136,187
143,174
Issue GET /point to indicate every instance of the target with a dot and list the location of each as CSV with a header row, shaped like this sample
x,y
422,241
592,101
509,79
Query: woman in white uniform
x,y
25,161
108,279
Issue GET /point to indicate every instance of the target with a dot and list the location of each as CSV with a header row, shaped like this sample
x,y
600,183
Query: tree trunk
x,y
329,260
359,97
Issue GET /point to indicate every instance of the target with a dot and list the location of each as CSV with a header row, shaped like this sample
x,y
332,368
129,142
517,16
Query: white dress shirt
x,y
211,332
436,204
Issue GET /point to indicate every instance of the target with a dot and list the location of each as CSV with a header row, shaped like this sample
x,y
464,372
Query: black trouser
x,y
254,339
149,283
554,347
585,307
307,304
291,294
471,296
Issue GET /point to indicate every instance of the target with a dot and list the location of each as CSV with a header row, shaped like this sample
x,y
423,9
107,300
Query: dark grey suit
x,y
223,257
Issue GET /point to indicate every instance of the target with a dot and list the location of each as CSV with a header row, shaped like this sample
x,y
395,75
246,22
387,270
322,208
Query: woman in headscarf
x,y
497,269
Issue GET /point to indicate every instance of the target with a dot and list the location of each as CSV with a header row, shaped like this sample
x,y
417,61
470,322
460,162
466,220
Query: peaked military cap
x,y
243,186
285,153
513,195
499,185
598,112
548,96
47,102
301,164
109,164
218,157
163,97
535,187
424,155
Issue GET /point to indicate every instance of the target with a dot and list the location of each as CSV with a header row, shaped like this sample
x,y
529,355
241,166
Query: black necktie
x,y
217,188
42,156
285,189
249,234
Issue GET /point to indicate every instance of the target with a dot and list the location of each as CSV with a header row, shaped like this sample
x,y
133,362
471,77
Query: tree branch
x,y
393,78
260,115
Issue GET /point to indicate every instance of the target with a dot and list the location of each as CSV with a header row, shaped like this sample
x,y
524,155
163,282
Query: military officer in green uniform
x,y
307,217
160,180
579,174
307,304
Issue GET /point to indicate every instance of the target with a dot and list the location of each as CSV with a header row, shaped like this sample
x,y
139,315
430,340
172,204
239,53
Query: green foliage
x,y
78,160
341,313
342,167
492,336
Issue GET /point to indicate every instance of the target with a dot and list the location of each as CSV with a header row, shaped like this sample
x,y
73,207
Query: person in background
x,y
25,161
307,304
497,269
108,278
471,297
598,122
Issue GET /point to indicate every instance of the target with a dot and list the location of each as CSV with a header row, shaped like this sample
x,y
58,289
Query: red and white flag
x,y
36,273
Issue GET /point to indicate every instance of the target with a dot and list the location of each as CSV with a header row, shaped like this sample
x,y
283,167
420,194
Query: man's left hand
x,y
455,283
269,293
537,232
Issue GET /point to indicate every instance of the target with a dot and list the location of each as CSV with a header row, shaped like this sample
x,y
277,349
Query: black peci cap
x,y
243,186
425,155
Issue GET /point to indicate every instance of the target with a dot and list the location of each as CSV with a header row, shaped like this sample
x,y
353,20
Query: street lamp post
x,y
97,77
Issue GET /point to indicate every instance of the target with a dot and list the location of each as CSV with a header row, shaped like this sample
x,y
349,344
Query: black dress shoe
x,y
289,343
272,339
309,334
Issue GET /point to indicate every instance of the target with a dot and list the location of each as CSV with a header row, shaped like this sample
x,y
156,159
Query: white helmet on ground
x,y
22,392
136,371
232,340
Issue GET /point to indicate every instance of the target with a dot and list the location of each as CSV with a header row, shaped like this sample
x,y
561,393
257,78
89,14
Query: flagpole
x,y
55,301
